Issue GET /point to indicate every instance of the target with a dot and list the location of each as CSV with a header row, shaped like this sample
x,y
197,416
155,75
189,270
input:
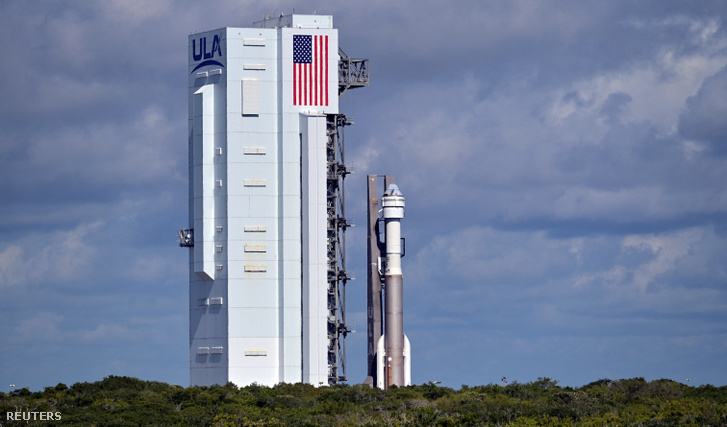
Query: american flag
x,y
310,70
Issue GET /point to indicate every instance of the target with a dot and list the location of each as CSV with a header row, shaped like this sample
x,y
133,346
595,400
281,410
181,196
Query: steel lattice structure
x,y
338,276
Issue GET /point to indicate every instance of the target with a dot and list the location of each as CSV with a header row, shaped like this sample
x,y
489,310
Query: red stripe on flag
x,y
296,85
314,75
320,71
324,48
319,98
325,71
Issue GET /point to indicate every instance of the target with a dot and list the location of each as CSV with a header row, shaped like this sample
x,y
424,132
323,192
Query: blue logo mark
x,y
206,54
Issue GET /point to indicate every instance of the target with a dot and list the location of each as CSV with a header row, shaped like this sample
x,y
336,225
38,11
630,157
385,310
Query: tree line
x,y
126,401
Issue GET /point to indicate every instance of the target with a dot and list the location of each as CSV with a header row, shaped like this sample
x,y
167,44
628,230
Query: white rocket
x,y
393,350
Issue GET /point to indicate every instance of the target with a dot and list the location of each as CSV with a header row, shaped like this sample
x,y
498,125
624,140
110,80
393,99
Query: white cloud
x,y
57,256
10,257
486,255
658,88
665,251
635,271
647,274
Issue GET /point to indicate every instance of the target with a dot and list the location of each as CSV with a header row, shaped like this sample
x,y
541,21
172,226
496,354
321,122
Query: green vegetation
x,y
124,401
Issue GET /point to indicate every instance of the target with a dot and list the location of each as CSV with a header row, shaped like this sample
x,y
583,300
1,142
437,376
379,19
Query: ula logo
x,y
200,50
203,48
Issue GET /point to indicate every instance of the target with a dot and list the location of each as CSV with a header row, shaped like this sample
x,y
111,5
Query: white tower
x,y
260,103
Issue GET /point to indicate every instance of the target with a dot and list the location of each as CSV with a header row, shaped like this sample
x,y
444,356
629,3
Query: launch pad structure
x,y
267,218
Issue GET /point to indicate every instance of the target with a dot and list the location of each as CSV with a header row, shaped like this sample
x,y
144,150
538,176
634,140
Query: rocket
x,y
393,211
397,364
389,351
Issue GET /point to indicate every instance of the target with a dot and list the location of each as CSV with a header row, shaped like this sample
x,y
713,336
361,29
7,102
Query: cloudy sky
x,y
564,166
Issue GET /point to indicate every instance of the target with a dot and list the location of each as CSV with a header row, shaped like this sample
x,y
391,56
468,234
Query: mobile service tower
x,y
266,210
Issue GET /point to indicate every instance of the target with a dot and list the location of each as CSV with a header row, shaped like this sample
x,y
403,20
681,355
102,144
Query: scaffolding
x,y
338,276
352,73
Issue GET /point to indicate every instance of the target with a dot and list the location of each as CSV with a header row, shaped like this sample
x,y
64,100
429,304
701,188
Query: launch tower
x,y
266,208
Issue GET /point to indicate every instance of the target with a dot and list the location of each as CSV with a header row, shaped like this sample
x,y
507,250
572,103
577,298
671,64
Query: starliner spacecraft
x,y
389,349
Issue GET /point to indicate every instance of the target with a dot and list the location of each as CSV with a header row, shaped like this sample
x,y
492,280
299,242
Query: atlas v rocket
x,y
390,352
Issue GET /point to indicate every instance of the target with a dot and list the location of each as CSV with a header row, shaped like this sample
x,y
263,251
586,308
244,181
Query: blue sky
x,y
564,166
